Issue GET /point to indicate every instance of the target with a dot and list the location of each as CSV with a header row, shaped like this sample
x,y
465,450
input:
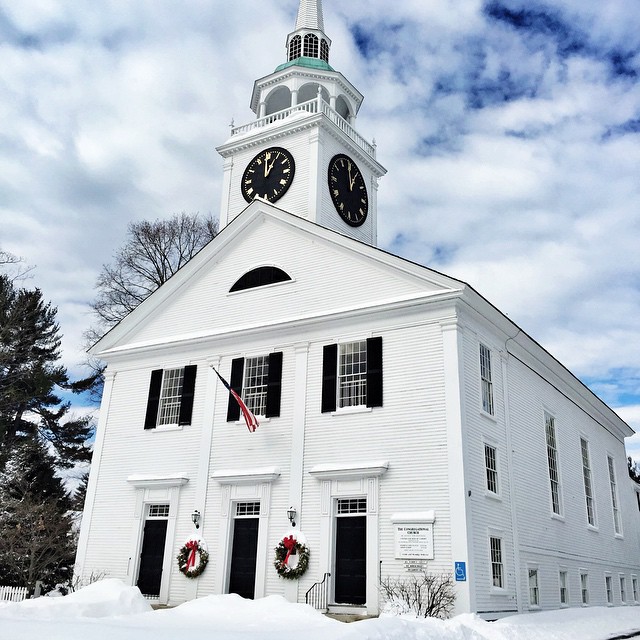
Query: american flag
x,y
247,414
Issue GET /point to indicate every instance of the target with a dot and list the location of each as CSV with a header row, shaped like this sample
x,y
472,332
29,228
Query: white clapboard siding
x,y
200,322
319,271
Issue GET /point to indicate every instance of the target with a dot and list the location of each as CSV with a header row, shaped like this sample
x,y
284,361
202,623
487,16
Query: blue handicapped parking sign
x,y
460,571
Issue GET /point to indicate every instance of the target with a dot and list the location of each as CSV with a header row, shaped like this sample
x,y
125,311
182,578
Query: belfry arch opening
x,y
310,91
342,107
278,100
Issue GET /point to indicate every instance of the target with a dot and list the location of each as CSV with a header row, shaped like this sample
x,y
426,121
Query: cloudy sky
x,y
509,128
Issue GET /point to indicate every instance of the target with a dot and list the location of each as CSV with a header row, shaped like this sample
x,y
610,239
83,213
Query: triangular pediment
x,y
331,275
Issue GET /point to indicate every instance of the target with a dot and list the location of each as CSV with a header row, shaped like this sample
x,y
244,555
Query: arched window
x,y
324,50
260,277
295,48
311,45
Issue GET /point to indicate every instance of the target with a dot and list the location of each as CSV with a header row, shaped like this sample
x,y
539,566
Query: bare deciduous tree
x,y
427,595
13,265
152,253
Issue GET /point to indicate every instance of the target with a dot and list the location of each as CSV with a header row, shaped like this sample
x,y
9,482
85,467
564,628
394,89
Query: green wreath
x,y
187,558
287,547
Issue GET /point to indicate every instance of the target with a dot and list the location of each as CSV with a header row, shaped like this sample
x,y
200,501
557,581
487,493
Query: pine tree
x,y
31,376
37,540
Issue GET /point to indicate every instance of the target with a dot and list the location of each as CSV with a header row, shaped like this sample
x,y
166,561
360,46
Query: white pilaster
x,y
96,459
204,463
460,516
227,166
297,449
315,172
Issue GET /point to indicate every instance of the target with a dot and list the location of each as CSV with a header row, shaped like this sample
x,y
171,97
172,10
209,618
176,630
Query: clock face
x,y
268,175
348,190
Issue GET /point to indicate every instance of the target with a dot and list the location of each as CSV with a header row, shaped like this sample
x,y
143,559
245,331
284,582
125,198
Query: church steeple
x,y
303,151
309,40
310,15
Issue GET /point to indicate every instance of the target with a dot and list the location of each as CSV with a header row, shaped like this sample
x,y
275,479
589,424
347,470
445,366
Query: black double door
x,y
350,582
151,557
243,557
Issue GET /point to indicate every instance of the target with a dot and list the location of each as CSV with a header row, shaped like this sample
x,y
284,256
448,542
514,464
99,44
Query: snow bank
x,y
106,598
109,610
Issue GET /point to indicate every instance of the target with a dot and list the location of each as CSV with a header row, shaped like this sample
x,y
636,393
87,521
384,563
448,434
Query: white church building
x,y
406,424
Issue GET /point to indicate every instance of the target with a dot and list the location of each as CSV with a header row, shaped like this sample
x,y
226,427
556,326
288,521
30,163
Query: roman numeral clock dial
x,y
268,175
348,190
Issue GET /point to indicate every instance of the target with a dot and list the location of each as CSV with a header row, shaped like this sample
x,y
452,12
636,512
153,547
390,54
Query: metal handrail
x,y
318,595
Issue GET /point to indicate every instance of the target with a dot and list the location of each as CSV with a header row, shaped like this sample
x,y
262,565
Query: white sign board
x,y
414,540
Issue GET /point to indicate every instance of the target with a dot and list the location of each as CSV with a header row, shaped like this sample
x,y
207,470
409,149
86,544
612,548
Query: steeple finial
x,y
310,15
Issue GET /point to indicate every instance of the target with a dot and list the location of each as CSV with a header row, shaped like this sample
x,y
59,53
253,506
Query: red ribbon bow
x,y
192,547
290,545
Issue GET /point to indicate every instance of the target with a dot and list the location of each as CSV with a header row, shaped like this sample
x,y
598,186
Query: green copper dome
x,y
303,61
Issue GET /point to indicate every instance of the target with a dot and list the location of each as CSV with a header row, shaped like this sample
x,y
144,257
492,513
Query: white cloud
x,y
509,163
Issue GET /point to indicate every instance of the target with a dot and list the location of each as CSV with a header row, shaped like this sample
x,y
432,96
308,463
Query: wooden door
x,y
350,582
151,557
243,557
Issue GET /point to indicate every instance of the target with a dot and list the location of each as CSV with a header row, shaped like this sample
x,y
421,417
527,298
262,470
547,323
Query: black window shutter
x,y
329,377
186,401
374,372
237,373
153,401
274,385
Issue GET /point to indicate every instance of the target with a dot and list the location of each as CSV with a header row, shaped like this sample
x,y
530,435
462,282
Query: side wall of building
x,y
538,544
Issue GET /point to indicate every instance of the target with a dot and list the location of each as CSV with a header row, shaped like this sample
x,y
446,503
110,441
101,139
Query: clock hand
x,y
268,167
350,179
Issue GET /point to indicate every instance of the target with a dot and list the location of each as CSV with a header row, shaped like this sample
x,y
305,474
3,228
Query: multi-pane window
x,y
609,589
247,509
352,374
552,461
614,495
588,486
295,48
584,587
497,566
324,50
310,45
258,381
485,377
158,511
564,588
347,506
170,396
534,592
623,588
634,587
491,467
254,390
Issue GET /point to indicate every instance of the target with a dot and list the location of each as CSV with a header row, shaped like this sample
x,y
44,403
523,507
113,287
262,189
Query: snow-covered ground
x,y
109,610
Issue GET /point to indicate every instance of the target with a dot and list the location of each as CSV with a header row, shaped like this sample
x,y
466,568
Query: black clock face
x,y
268,175
348,190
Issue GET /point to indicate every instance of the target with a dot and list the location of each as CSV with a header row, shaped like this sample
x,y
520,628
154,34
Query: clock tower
x,y
303,152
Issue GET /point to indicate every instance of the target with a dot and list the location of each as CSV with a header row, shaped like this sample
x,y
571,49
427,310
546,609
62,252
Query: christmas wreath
x,y
193,558
292,557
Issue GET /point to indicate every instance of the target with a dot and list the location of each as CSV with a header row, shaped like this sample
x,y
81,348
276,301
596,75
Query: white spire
x,y
310,15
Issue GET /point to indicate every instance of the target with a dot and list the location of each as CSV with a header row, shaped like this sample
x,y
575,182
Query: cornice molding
x,y
246,476
348,472
157,481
